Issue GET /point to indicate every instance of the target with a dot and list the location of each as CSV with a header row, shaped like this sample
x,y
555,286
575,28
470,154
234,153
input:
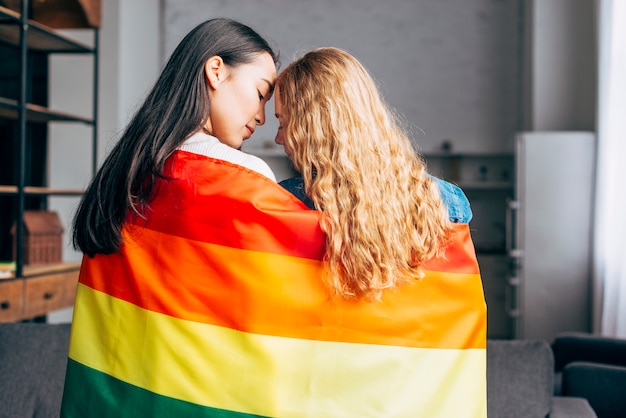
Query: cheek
x,y
288,149
248,102
236,105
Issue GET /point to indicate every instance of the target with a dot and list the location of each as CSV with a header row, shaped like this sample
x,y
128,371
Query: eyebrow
x,y
271,86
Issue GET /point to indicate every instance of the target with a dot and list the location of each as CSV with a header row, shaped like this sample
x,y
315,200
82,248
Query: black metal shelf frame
x,y
27,35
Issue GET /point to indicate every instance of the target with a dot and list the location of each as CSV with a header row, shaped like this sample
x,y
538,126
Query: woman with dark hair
x,y
209,98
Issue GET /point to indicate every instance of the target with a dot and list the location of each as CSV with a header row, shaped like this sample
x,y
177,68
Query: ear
x,y
215,71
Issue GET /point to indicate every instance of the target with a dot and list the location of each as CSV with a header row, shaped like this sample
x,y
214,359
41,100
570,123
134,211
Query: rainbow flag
x,y
214,307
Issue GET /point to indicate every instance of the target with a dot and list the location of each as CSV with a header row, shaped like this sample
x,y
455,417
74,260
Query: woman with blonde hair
x,y
398,326
383,214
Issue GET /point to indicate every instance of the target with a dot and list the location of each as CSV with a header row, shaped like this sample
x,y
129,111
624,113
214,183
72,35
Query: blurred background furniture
x,y
520,383
33,358
30,113
592,367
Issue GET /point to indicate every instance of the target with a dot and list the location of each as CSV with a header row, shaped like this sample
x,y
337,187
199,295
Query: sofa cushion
x,y
601,384
571,407
33,360
520,378
578,346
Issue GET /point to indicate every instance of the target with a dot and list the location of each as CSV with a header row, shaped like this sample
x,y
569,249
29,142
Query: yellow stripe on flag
x,y
273,376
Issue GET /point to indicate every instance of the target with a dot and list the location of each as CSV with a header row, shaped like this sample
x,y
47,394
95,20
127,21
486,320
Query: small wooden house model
x,y
43,238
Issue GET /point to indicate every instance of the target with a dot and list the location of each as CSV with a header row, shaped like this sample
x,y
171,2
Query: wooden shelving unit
x,y
35,290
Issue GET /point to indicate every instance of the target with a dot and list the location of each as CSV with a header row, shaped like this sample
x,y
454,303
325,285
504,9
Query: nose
x,y
260,117
279,139
280,136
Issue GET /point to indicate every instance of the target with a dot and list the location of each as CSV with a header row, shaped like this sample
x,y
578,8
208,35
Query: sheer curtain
x,y
610,215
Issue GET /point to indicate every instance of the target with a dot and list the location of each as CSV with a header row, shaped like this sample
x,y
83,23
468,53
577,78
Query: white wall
x,y
128,65
449,66
560,86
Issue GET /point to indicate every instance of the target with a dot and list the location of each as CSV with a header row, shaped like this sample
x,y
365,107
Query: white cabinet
x,y
552,233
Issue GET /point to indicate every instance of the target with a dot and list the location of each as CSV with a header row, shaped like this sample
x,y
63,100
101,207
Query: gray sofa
x,y
32,365
592,367
520,376
521,381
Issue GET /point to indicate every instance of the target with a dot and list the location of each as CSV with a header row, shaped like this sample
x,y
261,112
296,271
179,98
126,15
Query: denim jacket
x,y
453,197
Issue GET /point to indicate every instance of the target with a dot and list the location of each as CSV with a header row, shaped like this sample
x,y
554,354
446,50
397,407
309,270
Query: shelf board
x,y
39,37
42,191
32,271
44,269
9,108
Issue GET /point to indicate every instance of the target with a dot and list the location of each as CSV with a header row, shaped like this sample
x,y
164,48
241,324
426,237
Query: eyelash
x,y
261,97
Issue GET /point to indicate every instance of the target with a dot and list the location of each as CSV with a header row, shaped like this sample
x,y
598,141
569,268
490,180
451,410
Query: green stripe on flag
x,y
98,395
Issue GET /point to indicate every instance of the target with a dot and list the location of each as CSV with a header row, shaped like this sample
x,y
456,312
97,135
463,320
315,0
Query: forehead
x,y
261,67
278,104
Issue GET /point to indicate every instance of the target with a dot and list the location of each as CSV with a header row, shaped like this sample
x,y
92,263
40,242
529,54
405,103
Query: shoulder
x,y
458,205
295,185
459,210
203,144
257,164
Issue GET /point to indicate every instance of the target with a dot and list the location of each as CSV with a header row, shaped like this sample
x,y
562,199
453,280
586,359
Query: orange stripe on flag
x,y
284,296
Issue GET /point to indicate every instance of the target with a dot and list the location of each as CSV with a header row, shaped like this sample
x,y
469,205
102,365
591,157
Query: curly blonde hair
x,y
382,215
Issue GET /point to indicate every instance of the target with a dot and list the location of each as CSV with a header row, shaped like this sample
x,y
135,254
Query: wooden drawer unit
x,y
11,300
49,293
41,290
